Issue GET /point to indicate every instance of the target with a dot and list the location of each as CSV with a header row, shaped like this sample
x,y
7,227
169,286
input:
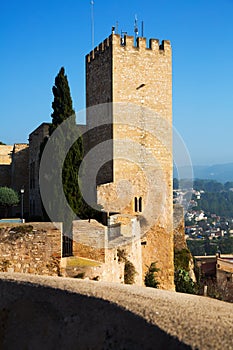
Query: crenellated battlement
x,y
102,47
127,42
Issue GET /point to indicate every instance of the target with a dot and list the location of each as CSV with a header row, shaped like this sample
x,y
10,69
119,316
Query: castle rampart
x,y
128,42
138,76
36,138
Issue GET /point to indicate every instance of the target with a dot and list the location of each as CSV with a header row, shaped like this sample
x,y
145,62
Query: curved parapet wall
x,y
63,313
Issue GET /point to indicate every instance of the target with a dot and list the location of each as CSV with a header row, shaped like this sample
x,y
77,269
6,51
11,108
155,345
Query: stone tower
x,y
135,80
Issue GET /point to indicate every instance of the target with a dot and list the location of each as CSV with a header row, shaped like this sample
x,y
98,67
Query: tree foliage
x,y
129,272
8,197
150,278
62,104
70,177
207,185
184,283
216,199
62,110
210,247
129,268
182,259
220,203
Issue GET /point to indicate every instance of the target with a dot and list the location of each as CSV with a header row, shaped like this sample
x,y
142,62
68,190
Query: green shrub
x,y
129,272
184,283
181,259
129,269
8,197
121,255
150,280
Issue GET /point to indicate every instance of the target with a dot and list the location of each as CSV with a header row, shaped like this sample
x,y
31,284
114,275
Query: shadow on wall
x,y
35,317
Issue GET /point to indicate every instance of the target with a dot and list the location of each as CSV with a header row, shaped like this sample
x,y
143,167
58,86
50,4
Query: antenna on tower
x,y
123,37
136,28
92,25
142,29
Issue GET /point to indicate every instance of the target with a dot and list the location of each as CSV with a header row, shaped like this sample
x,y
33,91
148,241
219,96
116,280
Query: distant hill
x,y
218,172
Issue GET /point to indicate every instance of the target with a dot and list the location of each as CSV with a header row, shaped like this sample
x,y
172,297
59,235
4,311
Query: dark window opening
x,y
138,204
135,204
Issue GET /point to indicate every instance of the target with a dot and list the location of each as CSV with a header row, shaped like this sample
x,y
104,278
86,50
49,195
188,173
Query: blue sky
x,y
38,37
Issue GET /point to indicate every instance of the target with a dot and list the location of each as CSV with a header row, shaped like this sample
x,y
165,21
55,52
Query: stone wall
x,y
5,154
99,87
139,80
30,248
179,228
5,175
91,240
224,274
14,172
35,140
62,313
180,243
99,81
5,165
20,175
224,271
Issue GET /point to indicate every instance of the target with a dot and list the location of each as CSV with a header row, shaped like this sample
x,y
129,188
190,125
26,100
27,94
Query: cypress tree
x,y
63,109
62,103
68,170
60,165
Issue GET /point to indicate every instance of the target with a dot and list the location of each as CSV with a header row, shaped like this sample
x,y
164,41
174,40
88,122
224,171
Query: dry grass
x,y
82,262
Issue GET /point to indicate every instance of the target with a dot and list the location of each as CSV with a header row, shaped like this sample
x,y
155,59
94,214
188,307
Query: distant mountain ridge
x,y
218,172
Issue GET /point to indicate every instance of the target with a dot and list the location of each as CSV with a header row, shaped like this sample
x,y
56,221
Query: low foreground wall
x,y
40,312
30,248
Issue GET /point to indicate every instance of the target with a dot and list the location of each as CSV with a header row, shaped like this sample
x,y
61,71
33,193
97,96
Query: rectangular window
x,y
138,204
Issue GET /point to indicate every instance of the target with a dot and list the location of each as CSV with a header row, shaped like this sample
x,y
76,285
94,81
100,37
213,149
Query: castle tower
x,y
137,81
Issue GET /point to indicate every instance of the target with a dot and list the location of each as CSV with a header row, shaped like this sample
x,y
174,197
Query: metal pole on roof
x,y
92,25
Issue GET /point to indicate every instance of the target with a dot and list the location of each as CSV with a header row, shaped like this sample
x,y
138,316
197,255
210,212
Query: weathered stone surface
x,y
5,154
19,175
35,140
14,172
30,248
89,240
40,312
92,240
179,229
138,78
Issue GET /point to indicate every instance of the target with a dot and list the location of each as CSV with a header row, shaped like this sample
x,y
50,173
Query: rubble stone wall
x,y
30,248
